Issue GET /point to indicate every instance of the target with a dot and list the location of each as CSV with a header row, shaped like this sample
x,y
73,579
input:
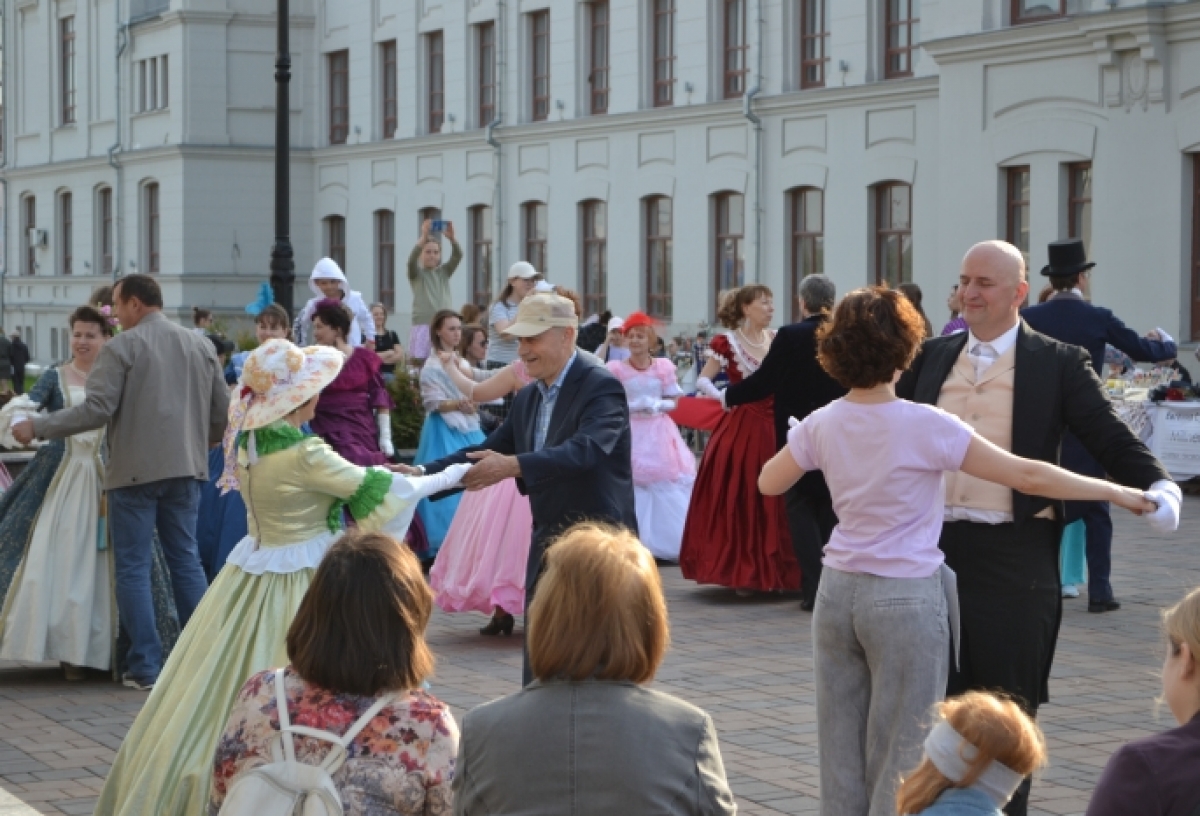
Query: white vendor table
x,y
1171,430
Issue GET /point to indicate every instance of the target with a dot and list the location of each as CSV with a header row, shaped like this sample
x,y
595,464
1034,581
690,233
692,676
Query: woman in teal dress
x,y
56,584
296,489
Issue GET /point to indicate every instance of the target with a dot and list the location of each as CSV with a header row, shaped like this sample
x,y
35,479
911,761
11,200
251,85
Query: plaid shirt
x,y
549,397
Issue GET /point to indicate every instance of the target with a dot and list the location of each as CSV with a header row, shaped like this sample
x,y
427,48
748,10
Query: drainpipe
x,y
756,124
4,77
499,270
119,238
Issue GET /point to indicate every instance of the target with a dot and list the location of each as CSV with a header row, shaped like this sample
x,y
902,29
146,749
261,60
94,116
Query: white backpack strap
x,y
285,723
336,756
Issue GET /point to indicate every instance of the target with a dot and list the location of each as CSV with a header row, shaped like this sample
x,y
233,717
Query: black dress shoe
x,y
1111,605
807,604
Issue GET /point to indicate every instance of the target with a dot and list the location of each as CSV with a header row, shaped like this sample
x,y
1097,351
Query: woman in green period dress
x,y
296,489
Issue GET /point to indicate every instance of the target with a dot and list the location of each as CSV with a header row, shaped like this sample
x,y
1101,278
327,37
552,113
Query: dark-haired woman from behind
x,y
886,599
56,587
356,645
587,737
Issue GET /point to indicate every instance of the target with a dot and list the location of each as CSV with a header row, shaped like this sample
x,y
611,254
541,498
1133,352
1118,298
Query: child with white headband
x,y
979,752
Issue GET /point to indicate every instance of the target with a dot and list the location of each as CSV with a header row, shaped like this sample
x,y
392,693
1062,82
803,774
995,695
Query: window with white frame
x,y
152,94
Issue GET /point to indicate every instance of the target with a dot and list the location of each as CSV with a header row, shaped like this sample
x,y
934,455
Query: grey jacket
x,y
592,747
161,391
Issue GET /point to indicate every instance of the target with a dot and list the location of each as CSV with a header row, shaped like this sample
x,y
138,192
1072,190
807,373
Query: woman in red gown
x,y
734,536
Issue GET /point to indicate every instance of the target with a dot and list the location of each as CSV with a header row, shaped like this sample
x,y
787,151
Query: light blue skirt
x,y
439,440
1074,542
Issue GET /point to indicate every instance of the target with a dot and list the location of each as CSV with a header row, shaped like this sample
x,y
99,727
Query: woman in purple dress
x,y
354,415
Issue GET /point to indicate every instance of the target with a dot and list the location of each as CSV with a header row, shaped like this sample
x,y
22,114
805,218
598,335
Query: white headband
x,y
952,755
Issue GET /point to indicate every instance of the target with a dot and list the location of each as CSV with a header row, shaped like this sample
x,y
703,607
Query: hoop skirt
x,y
483,558
164,766
736,537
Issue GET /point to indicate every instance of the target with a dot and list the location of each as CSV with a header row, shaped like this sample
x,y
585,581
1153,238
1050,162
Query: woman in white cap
x,y
327,281
296,490
502,349
614,349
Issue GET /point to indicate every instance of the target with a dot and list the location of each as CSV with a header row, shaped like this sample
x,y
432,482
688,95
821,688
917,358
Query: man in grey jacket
x,y
160,390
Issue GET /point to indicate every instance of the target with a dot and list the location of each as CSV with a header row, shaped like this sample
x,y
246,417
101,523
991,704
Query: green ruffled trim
x,y
370,494
278,436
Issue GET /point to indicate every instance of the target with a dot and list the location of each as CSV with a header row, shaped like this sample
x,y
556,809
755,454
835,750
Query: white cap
x,y
615,323
522,269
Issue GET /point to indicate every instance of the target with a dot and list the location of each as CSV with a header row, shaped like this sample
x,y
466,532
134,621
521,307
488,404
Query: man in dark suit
x,y
1069,318
791,374
566,439
20,359
1021,390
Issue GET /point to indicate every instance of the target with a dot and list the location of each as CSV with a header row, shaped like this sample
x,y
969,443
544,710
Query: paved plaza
x,y
748,662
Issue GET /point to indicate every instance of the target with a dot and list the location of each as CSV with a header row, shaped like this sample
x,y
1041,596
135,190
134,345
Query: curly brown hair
x,y
334,315
735,301
874,333
89,314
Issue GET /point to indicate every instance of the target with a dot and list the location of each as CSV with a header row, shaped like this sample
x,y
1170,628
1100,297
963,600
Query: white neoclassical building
x,y
647,153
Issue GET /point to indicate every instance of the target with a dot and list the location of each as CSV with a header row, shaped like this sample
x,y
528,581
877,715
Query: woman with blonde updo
x,y
1160,775
734,536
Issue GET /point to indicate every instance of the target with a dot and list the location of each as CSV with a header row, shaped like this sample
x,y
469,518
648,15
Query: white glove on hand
x,y
384,422
663,406
705,386
641,404
1168,498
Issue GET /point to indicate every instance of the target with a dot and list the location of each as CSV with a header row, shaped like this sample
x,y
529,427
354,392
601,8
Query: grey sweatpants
x,y
881,653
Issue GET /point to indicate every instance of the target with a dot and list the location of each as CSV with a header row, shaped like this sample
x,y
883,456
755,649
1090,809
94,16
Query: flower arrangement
x,y
111,318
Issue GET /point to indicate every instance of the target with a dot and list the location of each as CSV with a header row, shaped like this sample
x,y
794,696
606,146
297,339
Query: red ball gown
x,y
735,536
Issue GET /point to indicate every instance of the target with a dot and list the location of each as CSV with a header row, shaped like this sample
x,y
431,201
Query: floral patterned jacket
x,y
401,763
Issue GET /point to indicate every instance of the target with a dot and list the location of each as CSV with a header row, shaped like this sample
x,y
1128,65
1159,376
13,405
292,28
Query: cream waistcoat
x,y
987,406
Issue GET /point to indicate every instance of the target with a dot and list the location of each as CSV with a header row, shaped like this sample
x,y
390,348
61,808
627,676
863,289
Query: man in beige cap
x,y
566,440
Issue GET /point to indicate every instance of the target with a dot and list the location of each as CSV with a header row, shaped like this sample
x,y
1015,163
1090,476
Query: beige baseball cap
x,y
541,311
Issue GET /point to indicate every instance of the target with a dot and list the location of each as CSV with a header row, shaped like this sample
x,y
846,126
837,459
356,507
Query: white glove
x,y
641,404
1163,336
705,386
663,406
1168,497
384,421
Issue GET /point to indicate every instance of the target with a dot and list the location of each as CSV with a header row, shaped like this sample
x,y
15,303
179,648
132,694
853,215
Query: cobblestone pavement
x,y
746,661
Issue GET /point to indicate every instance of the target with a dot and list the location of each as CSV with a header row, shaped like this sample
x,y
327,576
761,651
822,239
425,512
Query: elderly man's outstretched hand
x,y
491,468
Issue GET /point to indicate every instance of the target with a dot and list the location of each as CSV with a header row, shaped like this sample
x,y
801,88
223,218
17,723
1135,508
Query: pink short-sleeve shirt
x,y
884,465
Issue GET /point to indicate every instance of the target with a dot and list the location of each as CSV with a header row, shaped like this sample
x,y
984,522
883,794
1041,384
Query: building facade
x,y
646,153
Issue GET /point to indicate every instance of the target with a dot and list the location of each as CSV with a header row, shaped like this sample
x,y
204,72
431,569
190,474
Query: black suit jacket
x,y
583,472
1069,318
792,375
1054,390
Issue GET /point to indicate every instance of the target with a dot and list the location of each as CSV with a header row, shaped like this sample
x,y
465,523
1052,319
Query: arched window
x,y
594,252
893,233
659,230
807,206
104,231
480,218
536,223
385,258
728,249
335,240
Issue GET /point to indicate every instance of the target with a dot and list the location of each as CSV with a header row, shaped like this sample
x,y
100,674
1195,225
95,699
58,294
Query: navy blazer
x,y
792,375
1068,318
583,472
1054,390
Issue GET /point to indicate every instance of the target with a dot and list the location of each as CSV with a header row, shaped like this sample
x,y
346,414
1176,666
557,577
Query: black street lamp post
x,y
283,275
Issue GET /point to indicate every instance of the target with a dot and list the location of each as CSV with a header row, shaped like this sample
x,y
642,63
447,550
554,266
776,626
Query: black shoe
x,y
499,625
426,565
807,604
1111,605
134,683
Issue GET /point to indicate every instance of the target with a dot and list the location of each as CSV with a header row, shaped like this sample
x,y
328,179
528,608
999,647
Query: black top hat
x,y
1067,258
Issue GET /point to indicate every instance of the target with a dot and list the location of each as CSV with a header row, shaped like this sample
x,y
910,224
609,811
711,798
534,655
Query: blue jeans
x,y
134,513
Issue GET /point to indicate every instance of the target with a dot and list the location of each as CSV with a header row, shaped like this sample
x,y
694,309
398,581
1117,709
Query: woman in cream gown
x,y
55,571
296,489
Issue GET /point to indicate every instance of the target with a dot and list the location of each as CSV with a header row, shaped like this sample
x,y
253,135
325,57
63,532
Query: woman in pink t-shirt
x,y
881,623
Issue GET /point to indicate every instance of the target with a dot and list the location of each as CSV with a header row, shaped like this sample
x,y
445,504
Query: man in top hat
x,y
1069,318
1020,390
566,439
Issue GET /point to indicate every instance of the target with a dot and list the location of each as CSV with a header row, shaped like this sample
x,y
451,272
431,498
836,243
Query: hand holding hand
x,y
491,468
1135,501
467,407
1165,517
23,431
450,230
405,470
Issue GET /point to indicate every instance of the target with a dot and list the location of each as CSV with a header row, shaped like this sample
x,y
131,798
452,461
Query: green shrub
x,y
408,414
